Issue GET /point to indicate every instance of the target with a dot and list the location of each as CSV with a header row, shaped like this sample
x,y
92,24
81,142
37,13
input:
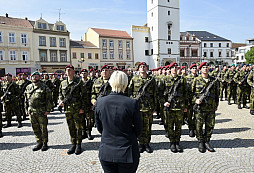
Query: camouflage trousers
x,y
74,121
207,119
174,120
1,124
232,92
252,99
163,116
147,119
55,98
39,124
12,108
191,118
89,121
223,87
242,95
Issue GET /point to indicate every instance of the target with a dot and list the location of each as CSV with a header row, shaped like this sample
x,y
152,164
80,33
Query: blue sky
x,y
231,19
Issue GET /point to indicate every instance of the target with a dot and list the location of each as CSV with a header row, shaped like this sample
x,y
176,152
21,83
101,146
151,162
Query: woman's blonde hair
x,y
118,81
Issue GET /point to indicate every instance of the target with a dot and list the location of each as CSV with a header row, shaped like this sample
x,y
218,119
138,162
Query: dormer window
x,y
60,28
42,25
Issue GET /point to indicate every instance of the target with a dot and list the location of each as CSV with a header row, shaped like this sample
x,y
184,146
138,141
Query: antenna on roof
x,y
41,15
59,14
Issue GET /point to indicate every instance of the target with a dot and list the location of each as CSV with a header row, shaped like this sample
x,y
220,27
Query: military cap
x,y
115,68
84,70
69,66
46,74
203,64
172,64
92,69
142,63
232,65
54,73
243,64
159,68
193,65
183,67
97,71
24,74
35,73
105,67
19,74
8,74
216,66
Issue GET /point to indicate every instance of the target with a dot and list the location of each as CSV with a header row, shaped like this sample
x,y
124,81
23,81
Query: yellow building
x,y
84,54
116,47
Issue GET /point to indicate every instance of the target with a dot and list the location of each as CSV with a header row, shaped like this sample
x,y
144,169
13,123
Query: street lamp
x,y
81,61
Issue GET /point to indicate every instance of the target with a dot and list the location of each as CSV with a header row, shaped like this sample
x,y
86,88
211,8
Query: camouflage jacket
x,y
189,79
13,93
22,85
49,84
212,102
160,85
97,86
180,100
229,77
87,93
250,79
221,76
56,83
214,73
239,77
149,101
38,98
75,103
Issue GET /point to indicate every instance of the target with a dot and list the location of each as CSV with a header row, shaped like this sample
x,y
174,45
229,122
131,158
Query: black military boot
x,y
209,147
84,135
161,122
141,148
252,112
234,101
37,147
229,103
239,107
148,148
44,146
72,149
221,99
19,125
192,133
201,147
179,147
7,125
245,106
78,149
24,118
1,134
173,147
89,136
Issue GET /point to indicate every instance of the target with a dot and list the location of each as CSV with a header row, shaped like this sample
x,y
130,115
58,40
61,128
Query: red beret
x,y
172,64
97,71
159,68
105,66
54,73
8,74
142,63
115,68
183,67
193,65
69,66
203,64
84,70
92,69
164,67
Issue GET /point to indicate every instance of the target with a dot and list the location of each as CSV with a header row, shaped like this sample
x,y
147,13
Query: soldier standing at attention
x,y
11,100
215,72
184,71
143,88
92,74
38,104
250,81
190,118
87,84
56,83
206,108
223,83
229,78
175,105
70,94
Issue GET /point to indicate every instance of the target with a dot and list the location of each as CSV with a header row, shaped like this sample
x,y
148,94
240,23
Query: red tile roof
x,y
112,33
15,22
236,45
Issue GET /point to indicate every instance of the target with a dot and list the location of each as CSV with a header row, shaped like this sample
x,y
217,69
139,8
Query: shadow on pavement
x,y
222,121
85,146
11,146
55,118
55,123
22,133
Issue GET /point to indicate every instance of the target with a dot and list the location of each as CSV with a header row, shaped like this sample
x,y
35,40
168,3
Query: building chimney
x,y
25,18
6,15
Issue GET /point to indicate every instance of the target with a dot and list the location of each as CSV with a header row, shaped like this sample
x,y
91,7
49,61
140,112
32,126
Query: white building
x,y
157,43
240,53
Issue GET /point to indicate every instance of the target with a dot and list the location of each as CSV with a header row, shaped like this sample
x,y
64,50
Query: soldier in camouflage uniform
x,y
223,83
56,83
175,102
229,78
38,104
157,77
11,100
190,119
250,81
147,103
1,110
242,87
92,74
184,71
248,86
70,94
215,72
87,84
206,108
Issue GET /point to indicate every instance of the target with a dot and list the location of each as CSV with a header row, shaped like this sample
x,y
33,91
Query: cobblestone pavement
x,y
233,139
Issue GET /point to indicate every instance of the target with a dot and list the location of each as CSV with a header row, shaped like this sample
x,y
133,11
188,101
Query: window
x,y
227,53
152,1
89,55
111,55
82,55
1,37
168,0
42,25
128,55
104,43
147,52
169,51
63,57
1,55
181,38
24,55
151,51
242,57
53,57
205,45
127,44
23,38
120,55
43,56
169,32
194,38
11,37
74,55
194,53
181,53
152,28
120,43
227,44
220,53
219,44
146,39
60,28
242,51
42,41
152,14
52,41
62,42
12,55
111,43
211,44
211,54
169,13
205,54
96,56
104,54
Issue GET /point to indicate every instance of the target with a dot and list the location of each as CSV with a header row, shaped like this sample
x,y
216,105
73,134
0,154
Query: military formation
x,y
178,96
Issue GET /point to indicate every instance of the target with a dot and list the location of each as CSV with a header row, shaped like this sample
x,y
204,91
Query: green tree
x,y
249,56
